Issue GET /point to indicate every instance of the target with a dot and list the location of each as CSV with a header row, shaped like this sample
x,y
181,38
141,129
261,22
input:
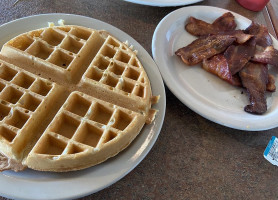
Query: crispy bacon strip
x,y
224,23
204,47
238,55
199,27
270,86
240,36
218,65
254,77
261,34
268,56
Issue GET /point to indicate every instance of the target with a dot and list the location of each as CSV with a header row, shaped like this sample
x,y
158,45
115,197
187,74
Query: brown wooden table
x,y
193,157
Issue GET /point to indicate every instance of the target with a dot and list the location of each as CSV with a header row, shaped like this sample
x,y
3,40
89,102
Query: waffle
x,y
70,98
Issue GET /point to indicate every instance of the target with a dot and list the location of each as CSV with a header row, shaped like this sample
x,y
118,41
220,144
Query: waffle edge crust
x,y
70,98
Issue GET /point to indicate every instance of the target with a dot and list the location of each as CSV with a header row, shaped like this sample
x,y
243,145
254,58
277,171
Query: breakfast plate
x,y
199,90
30,184
164,3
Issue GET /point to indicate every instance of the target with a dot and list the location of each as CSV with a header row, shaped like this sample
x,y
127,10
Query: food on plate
x,y
260,33
269,55
270,86
218,65
240,36
70,97
203,48
240,57
254,77
201,28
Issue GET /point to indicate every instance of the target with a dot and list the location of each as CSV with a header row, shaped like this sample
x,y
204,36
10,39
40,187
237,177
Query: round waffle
x,y
70,98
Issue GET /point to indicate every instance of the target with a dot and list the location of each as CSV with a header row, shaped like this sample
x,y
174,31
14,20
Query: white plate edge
x,y
163,3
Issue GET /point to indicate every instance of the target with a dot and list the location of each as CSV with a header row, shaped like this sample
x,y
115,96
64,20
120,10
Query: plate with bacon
x,y
221,65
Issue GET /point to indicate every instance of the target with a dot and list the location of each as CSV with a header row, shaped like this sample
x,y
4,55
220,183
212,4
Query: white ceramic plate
x,y
164,3
31,184
201,91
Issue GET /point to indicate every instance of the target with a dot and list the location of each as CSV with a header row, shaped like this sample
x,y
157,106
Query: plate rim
x,y
152,131
162,3
181,12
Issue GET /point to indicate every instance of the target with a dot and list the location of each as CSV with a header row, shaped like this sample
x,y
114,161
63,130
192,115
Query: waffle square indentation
x,y
52,37
89,135
60,59
127,86
22,42
101,114
11,95
78,105
52,146
2,86
4,111
110,135
122,120
140,91
65,125
29,102
7,73
117,69
108,51
94,74
101,63
132,74
23,80
111,81
40,50
6,133
71,45
73,149
134,62
18,119
112,42
64,28
123,57
82,34
40,87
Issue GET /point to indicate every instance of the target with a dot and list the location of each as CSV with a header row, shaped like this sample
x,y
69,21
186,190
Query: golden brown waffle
x,y
69,54
91,135
24,101
70,98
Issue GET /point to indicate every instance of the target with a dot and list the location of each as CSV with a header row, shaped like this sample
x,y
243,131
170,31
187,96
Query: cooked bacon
x,y
261,34
238,55
200,28
225,23
240,36
270,86
245,61
254,77
204,47
268,56
218,65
